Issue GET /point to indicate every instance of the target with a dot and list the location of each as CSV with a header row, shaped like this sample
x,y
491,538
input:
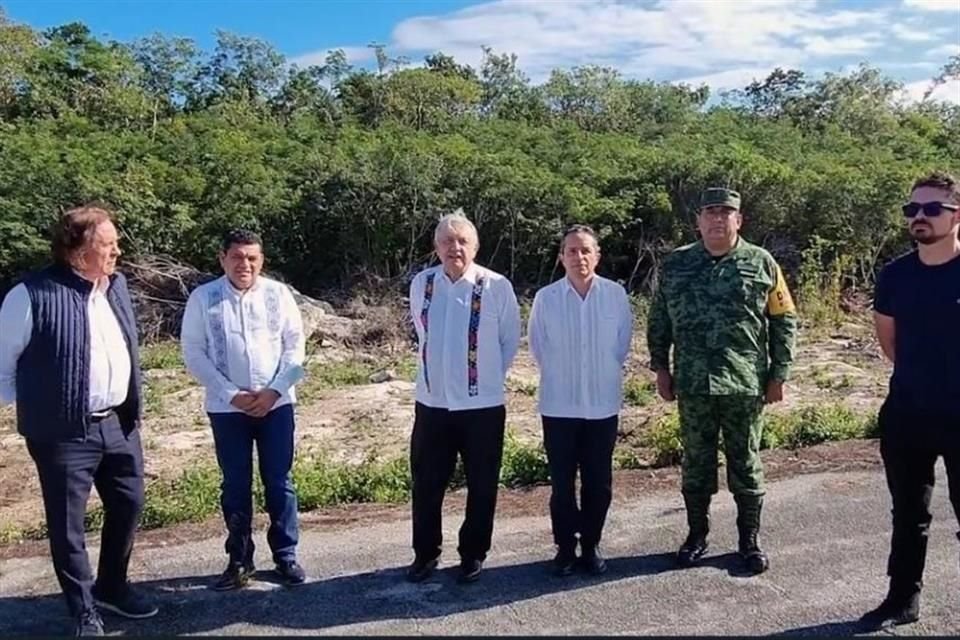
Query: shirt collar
x,y
100,285
568,287
737,246
470,275
228,287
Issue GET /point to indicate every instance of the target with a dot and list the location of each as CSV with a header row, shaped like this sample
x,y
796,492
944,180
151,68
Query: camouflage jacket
x,y
731,321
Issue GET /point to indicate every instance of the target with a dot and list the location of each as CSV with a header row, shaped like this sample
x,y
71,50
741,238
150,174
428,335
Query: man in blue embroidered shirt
x,y
242,338
72,326
468,327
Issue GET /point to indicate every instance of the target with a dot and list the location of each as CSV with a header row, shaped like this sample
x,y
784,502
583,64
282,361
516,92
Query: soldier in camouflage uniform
x,y
723,305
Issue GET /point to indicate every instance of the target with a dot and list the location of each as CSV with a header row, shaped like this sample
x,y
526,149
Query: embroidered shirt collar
x,y
228,286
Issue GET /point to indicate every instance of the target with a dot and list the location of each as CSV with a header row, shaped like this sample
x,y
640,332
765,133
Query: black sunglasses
x,y
930,209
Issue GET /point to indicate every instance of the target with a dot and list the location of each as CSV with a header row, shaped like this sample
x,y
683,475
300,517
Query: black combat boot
x,y
901,606
748,526
698,520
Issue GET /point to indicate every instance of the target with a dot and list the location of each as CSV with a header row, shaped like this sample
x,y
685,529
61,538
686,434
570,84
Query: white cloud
x,y
724,44
661,38
839,46
945,51
355,56
947,92
933,5
729,79
911,33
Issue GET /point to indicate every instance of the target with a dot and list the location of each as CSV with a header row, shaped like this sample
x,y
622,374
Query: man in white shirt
x,y
468,327
579,333
242,338
69,361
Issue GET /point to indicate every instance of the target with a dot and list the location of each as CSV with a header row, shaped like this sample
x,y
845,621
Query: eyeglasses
x,y
930,209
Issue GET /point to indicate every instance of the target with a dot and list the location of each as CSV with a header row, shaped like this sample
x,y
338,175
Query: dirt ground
x,y
350,423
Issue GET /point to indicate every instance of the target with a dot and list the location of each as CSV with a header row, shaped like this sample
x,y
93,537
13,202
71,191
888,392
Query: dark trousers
x,y
438,437
910,444
234,435
574,444
114,463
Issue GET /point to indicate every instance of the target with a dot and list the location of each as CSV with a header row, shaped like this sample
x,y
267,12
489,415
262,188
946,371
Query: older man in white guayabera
x,y
468,326
579,331
243,339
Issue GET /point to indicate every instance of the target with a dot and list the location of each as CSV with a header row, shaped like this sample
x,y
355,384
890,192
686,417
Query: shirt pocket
x,y
607,332
753,286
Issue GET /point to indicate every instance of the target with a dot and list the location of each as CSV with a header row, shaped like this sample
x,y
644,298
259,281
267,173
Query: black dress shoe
x,y
592,561
895,610
236,576
128,605
565,562
469,571
291,573
420,569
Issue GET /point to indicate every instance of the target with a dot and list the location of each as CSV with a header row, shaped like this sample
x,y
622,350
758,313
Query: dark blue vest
x,y
53,372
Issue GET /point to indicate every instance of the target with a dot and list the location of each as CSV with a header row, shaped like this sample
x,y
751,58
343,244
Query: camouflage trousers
x,y
702,420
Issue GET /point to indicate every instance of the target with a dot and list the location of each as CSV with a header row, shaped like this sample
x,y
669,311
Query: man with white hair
x,y
468,327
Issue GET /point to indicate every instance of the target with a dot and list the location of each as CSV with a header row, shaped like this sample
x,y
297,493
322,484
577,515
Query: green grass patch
x,y
161,355
816,424
523,464
638,391
627,458
10,534
195,495
406,368
156,388
524,387
664,439
804,427
323,376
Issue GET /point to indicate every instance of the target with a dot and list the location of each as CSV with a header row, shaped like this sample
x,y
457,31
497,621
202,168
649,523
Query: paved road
x,y
827,535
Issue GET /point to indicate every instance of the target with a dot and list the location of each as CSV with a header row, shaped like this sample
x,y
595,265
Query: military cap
x,y
720,197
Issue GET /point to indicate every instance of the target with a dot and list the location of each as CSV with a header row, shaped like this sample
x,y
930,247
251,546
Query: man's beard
x,y
929,238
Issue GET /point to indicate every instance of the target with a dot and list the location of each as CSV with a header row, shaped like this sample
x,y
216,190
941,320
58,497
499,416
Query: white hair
x,y
457,219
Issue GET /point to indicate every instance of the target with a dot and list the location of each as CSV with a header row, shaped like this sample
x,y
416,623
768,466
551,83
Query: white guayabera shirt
x,y
235,340
468,333
580,345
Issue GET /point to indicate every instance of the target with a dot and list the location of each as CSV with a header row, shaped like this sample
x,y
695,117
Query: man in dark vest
x,y
72,326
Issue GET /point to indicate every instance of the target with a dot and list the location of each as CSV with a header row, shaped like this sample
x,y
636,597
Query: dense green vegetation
x,y
345,169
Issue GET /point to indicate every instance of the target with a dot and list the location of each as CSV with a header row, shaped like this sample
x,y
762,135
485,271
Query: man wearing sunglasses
x,y
916,316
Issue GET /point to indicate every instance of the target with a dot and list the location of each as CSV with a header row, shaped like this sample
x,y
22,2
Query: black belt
x,y
100,416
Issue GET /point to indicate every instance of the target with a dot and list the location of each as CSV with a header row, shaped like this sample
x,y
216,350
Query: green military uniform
x,y
732,325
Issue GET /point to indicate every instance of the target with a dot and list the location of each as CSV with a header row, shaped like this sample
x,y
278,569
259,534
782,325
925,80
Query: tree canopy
x,y
345,170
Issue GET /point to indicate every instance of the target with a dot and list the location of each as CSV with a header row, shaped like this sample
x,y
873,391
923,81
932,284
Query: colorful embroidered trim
x,y
472,387
424,321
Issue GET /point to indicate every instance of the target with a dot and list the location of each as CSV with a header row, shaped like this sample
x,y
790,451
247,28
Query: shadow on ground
x,y
187,605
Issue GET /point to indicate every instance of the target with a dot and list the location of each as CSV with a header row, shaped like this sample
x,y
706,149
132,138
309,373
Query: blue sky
x,y
722,43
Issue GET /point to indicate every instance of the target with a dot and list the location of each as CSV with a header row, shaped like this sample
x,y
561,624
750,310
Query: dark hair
x,y
75,228
940,180
239,236
578,228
